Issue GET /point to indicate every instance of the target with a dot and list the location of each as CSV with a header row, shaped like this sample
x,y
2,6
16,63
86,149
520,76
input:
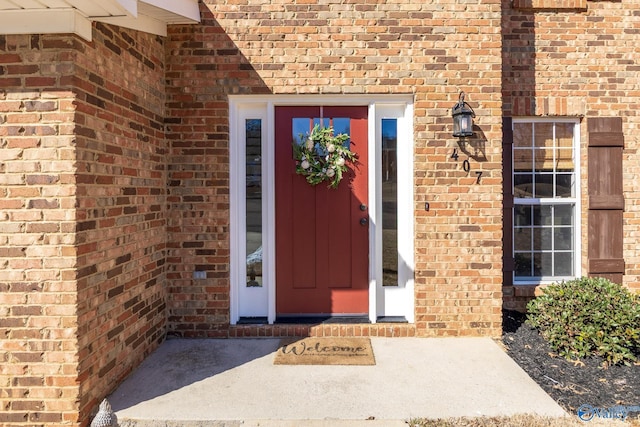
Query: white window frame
x,y
383,300
575,201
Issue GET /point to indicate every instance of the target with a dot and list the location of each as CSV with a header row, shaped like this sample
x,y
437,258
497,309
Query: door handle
x,y
364,221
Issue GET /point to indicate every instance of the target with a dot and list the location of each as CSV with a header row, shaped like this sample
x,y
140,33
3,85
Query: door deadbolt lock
x,y
363,207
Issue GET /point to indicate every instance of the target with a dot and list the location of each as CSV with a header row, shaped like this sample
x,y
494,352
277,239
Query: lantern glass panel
x,y
456,125
466,124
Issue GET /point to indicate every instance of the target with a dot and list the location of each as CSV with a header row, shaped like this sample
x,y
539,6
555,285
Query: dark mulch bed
x,y
570,384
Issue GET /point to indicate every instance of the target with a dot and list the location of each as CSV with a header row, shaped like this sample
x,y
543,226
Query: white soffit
x,y
76,16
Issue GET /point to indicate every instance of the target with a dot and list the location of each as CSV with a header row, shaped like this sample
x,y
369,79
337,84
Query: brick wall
x,y
430,50
579,63
83,211
121,205
104,216
38,343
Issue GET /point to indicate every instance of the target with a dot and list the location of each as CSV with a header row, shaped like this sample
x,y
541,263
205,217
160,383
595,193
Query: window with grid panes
x,y
546,199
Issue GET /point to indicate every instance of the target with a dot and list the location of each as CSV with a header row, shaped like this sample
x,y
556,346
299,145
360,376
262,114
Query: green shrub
x,y
588,317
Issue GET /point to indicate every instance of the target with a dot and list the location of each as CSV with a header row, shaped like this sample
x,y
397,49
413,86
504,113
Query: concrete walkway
x,y
234,382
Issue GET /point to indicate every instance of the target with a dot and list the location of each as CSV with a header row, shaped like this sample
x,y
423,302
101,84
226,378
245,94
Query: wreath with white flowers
x,y
323,156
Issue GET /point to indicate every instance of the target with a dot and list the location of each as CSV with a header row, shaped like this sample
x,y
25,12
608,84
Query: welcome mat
x,y
325,351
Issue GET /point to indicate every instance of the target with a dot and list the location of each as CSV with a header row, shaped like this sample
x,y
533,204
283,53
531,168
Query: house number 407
x,y
466,165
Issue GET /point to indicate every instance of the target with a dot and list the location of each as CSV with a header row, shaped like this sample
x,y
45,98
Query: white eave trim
x,y
129,6
178,12
152,18
29,21
141,23
186,8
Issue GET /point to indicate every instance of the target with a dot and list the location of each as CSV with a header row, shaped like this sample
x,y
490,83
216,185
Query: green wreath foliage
x,y
322,156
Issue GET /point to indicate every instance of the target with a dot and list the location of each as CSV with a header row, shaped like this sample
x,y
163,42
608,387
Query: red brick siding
x,y
580,64
427,50
549,4
100,208
83,198
121,206
38,373
332,330
197,132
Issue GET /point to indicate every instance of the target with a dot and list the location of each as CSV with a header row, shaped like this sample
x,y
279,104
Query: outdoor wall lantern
x,y
463,116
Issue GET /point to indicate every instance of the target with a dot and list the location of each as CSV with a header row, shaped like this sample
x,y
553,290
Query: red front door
x,y
322,234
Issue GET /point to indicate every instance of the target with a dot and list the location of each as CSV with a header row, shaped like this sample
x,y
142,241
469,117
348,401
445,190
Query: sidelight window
x,y
253,202
389,202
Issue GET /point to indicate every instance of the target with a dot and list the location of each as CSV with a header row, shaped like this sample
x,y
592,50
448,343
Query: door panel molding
x,y
321,248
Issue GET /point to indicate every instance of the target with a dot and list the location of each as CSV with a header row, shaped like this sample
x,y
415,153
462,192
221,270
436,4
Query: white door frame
x,y
383,300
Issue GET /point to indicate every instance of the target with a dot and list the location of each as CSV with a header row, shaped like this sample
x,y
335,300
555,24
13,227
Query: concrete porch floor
x,y
233,382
